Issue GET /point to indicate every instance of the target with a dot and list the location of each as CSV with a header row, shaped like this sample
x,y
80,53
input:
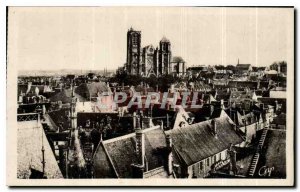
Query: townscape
x,y
156,116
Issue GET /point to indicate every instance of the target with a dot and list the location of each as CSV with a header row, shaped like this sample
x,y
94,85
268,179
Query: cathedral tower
x,y
165,56
133,65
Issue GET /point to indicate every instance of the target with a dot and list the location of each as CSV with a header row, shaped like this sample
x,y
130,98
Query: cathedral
x,y
148,61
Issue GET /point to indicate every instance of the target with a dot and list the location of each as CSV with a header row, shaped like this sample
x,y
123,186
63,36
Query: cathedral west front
x,y
150,61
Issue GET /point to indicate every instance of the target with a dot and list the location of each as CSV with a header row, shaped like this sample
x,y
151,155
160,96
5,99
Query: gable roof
x,y
88,90
243,66
197,142
31,137
65,96
116,155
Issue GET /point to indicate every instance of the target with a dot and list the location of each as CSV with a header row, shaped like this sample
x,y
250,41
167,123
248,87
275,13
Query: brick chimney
x,y
169,164
232,156
214,127
140,143
138,167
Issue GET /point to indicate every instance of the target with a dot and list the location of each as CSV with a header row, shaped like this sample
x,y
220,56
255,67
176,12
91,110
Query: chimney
x,y
214,127
211,109
162,124
134,120
140,146
234,117
232,156
169,154
141,118
168,123
137,171
261,106
245,124
222,104
28,87
59,104
276,106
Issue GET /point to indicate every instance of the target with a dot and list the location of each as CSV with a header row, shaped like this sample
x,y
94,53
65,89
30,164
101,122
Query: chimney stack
x,y
140,142
134,120
276,106
169,154
28,87
222,104
214,127
138,167
211,109
168,123
232,156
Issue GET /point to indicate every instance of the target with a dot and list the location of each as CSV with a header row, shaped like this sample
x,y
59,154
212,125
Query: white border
x,y
110,3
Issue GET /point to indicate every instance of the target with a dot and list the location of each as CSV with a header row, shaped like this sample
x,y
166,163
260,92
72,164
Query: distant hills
x,y
61,72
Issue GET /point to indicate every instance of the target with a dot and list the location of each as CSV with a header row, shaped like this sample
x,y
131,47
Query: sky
x,y
53,38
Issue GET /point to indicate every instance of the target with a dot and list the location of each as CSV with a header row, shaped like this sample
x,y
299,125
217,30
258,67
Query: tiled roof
x,y
31,137
116,155
66,96
243,66
197,142
88,90
280,119
59,116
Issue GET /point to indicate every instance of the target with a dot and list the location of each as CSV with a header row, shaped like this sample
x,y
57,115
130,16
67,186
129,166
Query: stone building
x,y
149,60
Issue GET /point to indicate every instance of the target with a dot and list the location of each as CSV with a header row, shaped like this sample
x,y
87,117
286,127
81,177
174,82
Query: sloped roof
x,y
248,118
243,66
87,90
280,119
59,116
22,88
243,84
224,96
31,138
65,96
197,142
116,155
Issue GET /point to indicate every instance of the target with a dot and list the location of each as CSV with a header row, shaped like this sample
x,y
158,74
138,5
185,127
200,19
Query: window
x,y
200,165
215,158
207,161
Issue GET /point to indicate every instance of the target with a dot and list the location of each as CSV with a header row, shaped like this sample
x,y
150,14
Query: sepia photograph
x,y
150,96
